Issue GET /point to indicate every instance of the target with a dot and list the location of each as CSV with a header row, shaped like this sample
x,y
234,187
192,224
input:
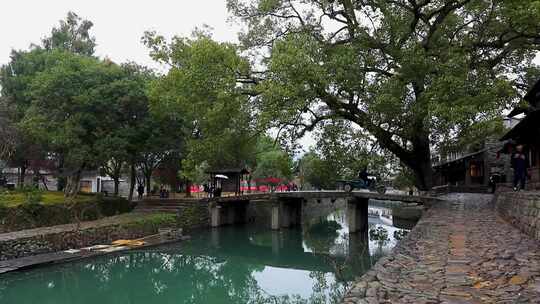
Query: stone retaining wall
x,y
193,215
522,209
57,238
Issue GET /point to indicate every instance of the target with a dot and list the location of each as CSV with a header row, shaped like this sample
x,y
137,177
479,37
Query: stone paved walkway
x,y
460,252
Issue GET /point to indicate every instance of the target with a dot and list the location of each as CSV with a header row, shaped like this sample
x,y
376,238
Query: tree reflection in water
x,y
229,265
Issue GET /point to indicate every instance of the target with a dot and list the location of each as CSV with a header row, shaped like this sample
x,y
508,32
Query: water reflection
x,y
312,264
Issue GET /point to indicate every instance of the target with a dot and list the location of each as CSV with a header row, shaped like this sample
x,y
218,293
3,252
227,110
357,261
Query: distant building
x,y
470,172
91,181
527,133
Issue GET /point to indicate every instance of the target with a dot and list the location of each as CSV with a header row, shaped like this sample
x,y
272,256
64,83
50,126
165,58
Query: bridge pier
x,y
357,214
228,214
286,213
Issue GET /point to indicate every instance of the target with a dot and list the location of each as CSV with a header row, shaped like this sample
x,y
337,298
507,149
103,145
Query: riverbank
x,y
27,210
29,242
461,251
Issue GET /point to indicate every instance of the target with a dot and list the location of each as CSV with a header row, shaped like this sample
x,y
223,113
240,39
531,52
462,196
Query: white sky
x,y
118,24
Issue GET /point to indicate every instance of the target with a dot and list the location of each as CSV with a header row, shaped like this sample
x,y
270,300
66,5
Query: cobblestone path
x,y
459,252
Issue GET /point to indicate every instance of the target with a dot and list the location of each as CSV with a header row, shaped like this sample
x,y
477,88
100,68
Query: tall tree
x,y
201,89
72,35
411,73
121,146
69,110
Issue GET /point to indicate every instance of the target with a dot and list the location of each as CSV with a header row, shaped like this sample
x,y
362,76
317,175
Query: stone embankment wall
x,y
50,239
522,209
191,216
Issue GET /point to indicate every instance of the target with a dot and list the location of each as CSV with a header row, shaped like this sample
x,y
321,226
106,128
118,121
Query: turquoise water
x,y
241,264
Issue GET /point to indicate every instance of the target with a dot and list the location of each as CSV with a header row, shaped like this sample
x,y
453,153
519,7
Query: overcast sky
x,y
118,24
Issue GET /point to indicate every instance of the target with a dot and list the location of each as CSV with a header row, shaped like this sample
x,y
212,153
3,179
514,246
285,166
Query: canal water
x,y
314,263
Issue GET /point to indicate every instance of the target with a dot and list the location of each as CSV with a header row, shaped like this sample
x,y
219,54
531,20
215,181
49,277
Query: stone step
x,y
160,210
178,206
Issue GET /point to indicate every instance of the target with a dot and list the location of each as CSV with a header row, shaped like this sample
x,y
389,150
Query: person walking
x,y
140,191
520,164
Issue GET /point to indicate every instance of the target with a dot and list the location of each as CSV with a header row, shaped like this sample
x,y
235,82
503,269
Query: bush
x,y
32,195
33,212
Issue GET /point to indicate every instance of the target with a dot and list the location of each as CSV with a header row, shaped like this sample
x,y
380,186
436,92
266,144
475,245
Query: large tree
x,y
70,110
201,89
73,36
412,73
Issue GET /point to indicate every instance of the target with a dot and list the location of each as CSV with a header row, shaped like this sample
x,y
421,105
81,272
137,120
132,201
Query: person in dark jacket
x,y
140,191
520,163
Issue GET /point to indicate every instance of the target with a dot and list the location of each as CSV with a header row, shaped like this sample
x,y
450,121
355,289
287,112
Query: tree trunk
x,y
147,179
188,188
424,175
116,185
73,184
22,176
132,178
421,163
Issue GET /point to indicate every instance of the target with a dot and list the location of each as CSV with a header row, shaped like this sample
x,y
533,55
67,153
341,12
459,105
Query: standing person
x,y
140,191
161,191
206,190
520,164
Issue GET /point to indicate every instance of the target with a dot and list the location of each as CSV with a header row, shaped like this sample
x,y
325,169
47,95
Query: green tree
x,y
271,160
411,73
201,89
72,35
69,110
316,172
130,125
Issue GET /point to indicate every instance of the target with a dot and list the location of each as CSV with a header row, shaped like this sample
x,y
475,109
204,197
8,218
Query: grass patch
x,y
155,220
16,198
31,208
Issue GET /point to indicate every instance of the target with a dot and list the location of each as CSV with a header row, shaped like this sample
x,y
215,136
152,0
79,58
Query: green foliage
x,y
340,153
201,89
72,35
70,106
379,234
317,172
193,217
17,213
271,160
152,222
404,179
400,234
32,195
414,75
16,78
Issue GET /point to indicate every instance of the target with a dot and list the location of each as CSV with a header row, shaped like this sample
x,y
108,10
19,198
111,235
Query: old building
x,y
527,133
470,172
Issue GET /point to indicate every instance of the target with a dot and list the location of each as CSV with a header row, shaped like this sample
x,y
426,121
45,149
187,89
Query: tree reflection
x,y
221,268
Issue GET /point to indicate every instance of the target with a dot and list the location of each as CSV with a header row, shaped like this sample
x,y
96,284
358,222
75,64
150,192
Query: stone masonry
x,y
459,252
50,239
522,209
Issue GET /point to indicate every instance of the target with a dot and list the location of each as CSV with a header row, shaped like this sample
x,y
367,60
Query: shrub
x,y
32,195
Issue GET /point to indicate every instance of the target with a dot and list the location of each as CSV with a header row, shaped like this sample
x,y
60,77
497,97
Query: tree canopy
x,y
83,112
201,87
411,73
